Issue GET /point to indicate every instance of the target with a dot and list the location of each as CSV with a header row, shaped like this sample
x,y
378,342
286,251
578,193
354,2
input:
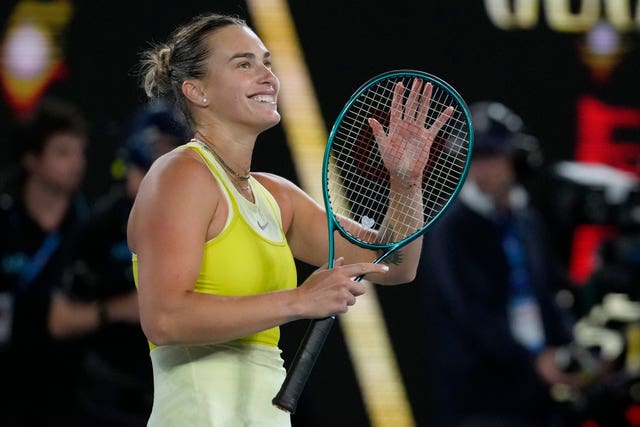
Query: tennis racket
x,y
396,157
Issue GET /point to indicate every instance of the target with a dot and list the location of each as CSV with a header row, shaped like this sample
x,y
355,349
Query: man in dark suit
x,y
489,288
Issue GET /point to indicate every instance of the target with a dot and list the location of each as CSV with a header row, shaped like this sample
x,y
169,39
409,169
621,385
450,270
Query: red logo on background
x,y
610,135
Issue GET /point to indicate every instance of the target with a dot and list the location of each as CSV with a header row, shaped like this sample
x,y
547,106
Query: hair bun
x,y
156,69
164,59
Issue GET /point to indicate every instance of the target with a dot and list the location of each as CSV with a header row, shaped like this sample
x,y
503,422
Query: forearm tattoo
x,y
395,257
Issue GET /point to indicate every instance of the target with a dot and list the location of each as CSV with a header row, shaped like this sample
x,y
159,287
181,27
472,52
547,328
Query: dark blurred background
x,y
571,75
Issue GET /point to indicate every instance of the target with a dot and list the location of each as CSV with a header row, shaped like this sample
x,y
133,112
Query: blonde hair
x,y
165,66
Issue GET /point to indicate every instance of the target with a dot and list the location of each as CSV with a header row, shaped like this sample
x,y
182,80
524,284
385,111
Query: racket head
x,y
356,184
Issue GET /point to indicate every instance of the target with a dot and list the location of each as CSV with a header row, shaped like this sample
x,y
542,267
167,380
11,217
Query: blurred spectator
x,y
116,382
38,214
489,285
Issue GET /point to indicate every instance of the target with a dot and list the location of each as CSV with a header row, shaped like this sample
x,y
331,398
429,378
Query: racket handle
x,y
302,364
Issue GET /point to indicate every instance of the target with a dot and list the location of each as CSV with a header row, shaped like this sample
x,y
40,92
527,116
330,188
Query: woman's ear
x,y
193,92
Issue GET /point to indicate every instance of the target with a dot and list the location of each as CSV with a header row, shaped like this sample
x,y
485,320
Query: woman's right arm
x,y
177,203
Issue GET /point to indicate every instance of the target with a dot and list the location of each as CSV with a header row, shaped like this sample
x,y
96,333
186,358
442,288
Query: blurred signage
x,y
606,133
563,16
32,51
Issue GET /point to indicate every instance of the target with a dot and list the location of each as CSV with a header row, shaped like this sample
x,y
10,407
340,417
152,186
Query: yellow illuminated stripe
x,y
363,326
302,120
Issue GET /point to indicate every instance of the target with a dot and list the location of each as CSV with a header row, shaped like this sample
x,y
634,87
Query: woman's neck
x,y
235,150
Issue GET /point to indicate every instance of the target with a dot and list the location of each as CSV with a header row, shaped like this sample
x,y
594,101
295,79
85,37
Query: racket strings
x,y
358,183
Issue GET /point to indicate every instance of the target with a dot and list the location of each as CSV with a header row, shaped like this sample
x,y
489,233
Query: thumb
x,y
378,130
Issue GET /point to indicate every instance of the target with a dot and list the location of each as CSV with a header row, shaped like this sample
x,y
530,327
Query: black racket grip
x,y
302,364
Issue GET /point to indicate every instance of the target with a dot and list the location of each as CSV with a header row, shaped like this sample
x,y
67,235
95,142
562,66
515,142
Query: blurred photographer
x,y
489,286
39,215
99,298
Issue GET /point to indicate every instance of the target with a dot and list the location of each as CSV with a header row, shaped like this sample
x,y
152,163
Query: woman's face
x,y
241,87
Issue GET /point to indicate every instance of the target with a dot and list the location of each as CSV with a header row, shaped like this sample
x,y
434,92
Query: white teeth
x,y
265,98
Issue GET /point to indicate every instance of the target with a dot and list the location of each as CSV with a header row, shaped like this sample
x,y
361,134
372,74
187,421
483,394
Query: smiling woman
x,y
201,308
214,243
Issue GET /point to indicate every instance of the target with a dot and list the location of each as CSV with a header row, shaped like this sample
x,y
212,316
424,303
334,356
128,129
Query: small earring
x,y
205,101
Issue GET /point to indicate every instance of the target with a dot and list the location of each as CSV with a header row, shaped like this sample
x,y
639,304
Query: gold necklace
x,y
207,146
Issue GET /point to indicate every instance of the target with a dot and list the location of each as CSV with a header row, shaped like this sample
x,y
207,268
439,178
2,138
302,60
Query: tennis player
x,y
214,243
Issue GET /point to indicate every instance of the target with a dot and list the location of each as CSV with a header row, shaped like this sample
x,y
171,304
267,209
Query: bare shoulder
x,y
281,188
293,201
284,191
178,184
177,167
274,183
176,177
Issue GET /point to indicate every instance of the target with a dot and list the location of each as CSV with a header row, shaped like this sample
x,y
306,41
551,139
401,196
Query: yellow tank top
x,y
250,255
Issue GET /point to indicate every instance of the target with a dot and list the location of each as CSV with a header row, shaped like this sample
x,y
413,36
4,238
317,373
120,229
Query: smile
x,y
270,99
